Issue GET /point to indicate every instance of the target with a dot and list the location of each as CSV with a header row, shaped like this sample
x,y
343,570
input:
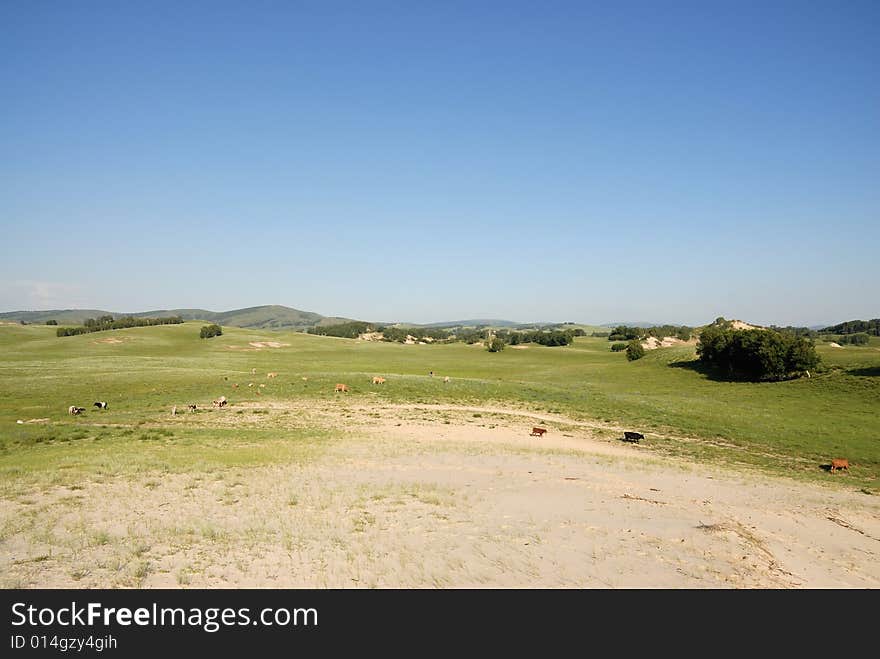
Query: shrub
x,y
617,347
634,350
209,331
495,345
51,322
860,339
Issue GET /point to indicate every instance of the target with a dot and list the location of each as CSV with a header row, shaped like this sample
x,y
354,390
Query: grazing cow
x,y
378,380
839,463
101,405
73,409
235,385
446,380
305,379
220,402
261,386
632,436
253,371
192,407
538,432
341,387
250,384
271,375
174,411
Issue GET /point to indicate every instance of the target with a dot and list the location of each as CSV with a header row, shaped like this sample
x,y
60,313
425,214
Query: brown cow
x,y
342,387
538,432
378,380
271,375
838,464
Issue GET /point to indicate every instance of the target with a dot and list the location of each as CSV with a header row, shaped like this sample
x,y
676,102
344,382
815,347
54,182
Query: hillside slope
x,y
263,317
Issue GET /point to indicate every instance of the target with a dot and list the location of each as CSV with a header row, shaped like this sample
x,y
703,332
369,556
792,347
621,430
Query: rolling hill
x,y
264,317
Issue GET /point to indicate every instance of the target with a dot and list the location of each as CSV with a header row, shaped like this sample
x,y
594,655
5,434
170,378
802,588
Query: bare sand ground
x,y
430,496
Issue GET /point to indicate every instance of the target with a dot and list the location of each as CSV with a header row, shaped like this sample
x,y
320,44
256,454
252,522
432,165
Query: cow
x,y
174,411
261,386
192,407
341,387
632,436
839,463
250,384
101,405
73,409
271,375
538,432
446,380
220,402
253,371
235,385
378,380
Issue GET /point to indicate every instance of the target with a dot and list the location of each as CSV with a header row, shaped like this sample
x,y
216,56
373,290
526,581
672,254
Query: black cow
x,y
632,436
101,405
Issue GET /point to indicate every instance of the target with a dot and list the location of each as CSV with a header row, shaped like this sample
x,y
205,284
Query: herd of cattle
x,y
837,464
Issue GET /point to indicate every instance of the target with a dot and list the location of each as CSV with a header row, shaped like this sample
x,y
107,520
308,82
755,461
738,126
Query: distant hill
x,y
485,322
634,324
855,326
265,317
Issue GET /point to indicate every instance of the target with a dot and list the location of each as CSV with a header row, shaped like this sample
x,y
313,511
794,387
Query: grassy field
x,y
790,427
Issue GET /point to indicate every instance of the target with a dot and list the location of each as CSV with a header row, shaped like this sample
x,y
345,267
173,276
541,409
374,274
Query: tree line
x,y
624,333
109,323
871,327
352,330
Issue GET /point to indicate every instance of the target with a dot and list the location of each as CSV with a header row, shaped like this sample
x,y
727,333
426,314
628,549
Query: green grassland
x,y
789,427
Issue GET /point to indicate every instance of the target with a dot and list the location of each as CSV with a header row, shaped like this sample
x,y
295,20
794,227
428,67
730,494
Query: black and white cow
x,y
101,405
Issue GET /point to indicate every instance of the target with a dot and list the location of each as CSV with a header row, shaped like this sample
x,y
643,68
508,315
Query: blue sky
x,y
424,161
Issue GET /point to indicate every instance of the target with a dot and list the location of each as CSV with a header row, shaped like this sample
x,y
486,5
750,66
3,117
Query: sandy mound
x,y
835,345
651,343
371,336
740,325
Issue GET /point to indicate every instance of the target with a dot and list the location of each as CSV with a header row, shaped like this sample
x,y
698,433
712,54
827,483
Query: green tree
x,y
209,331
495,344
634,350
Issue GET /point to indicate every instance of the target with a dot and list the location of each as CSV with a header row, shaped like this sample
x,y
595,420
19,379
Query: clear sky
x,y
427,161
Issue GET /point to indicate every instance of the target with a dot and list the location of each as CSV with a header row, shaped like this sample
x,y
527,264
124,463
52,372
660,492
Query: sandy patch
x,y
33,421
834,344
371,336
740,325
109,339
444,496
268,344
